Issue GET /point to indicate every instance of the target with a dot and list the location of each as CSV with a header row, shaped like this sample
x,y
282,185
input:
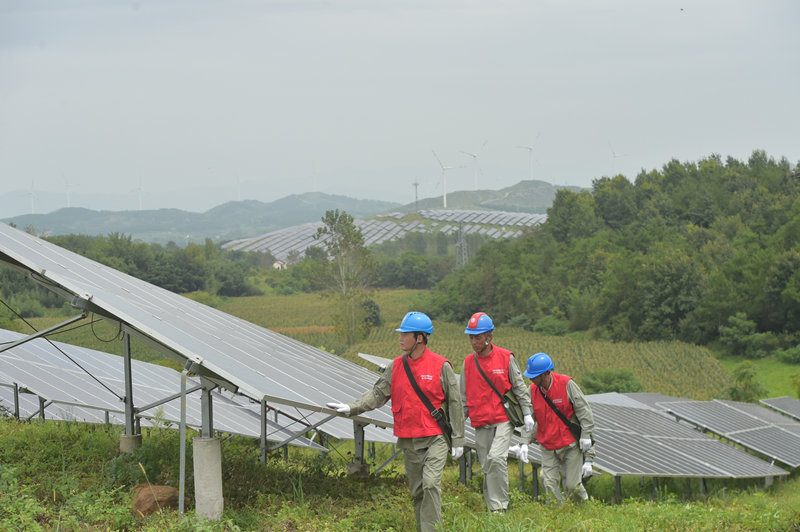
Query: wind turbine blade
x,y
437,158
468,153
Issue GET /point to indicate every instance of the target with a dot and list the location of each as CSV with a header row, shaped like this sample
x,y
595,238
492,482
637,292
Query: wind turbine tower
x,y
416,201
530,156
444,178
475,162
33,195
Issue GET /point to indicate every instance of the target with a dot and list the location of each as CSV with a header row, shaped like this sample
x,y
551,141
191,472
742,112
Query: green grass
x,y
70,476
774,375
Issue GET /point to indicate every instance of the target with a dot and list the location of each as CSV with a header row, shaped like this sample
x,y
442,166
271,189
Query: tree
x,y
745,387
611,380
348,272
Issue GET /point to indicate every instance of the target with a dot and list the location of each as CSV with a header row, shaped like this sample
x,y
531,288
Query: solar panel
x,y
742,425
253,360
640,442
39,368
653,400
786,405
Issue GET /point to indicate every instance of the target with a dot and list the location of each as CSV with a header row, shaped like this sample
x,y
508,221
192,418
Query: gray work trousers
x,y
492,442
424,470
566,464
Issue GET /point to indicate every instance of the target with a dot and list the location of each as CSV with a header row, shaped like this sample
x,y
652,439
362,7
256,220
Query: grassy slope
x,y
58,476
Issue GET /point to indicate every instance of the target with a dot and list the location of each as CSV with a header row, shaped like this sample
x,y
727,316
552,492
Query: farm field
x,y
671,368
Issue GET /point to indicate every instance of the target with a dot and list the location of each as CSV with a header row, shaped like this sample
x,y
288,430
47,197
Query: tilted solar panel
x,y
253,360
786,405
82,384
742,427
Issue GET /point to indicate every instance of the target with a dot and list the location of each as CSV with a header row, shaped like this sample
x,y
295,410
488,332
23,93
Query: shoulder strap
x,y
480,370
561,416
420,393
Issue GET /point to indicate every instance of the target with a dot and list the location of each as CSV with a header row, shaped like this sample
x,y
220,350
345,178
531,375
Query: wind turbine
x,y
66,184
475,162
139,192
444,178
614,156
416,202
530,155
33,195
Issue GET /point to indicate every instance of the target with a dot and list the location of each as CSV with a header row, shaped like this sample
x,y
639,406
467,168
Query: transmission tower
x,y
461,247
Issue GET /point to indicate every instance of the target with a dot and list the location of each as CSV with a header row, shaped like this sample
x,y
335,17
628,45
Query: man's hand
x,y
339,407
457,452
530,424
585,443
586,471
520,452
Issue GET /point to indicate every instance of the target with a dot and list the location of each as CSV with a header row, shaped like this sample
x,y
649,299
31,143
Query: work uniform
x,y
493,430
425,447
561,454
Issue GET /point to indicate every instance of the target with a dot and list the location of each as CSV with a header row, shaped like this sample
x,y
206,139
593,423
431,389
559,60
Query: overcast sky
x,y
190,104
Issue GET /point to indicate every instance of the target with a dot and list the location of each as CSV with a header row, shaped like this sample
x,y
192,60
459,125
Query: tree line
x,y
706,252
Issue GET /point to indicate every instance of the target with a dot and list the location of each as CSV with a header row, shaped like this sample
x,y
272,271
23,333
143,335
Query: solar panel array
x,y
749,425
55,374
786,405
44,371
641,442
242,356
493,224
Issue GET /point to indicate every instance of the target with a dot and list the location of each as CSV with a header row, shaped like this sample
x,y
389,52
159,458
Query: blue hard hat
x,y
416,322
479,323
538,364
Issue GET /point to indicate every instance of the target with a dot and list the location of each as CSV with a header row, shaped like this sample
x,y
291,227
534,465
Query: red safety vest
x,y
411,418
551,432
483,405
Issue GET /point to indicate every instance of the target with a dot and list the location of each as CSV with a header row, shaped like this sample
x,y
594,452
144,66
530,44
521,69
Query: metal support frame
x,y
182,466
179,395
263,455
358,436
43,332
16,401
206,408
129,409
299,434
395,454
618,488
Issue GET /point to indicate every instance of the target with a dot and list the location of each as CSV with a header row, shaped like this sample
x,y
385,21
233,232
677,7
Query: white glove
x,y
586,470
339,407
457,452
585,443
522,453
530,424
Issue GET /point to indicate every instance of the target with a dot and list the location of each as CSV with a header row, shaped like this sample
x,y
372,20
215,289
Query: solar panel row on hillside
x,y
282,242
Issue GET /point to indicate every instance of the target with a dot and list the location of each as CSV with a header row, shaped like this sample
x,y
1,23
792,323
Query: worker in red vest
x,y
425,447
483,406
562,455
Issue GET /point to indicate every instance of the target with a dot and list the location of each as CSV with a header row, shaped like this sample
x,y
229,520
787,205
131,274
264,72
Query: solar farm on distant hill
x,y
493,224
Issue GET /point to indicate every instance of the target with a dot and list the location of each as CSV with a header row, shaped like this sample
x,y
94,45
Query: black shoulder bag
x,y
509,400
438,414
573,427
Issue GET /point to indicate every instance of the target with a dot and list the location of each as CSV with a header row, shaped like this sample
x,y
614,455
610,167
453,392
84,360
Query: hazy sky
x,y
193,103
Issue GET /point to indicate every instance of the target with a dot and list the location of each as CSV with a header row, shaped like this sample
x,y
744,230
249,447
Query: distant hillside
x,y
231,220
529,196
243,219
